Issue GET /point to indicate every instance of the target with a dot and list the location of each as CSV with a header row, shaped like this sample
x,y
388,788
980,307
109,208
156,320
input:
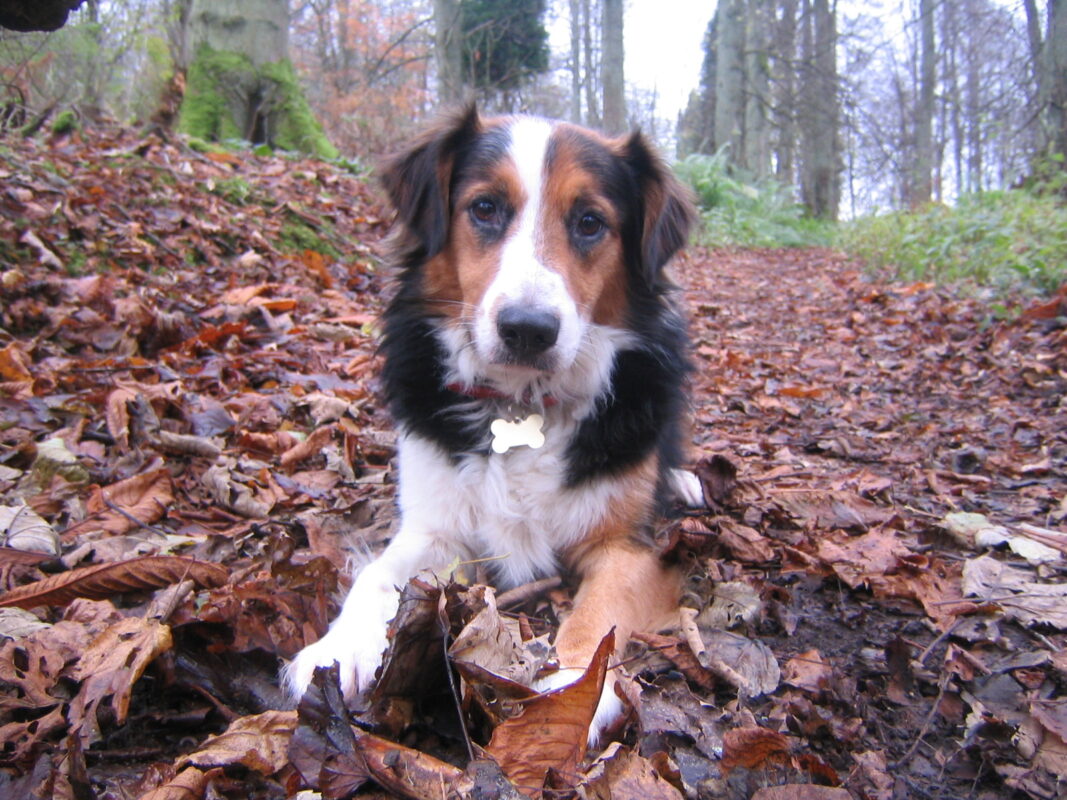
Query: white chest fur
x,y
510,507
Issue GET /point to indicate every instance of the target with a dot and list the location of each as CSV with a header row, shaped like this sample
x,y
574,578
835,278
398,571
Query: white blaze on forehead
x,y
523,277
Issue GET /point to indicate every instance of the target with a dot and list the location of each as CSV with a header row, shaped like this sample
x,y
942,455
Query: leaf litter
x,y
192,449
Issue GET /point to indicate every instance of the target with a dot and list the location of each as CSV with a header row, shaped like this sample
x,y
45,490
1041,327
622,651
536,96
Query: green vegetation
x,y
65,122
1011,241
206,111
297,236
742,213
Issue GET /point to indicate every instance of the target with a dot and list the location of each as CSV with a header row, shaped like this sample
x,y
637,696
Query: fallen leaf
x,y
553,730
754,748
110,666
106,580
801,791
621,774
189,784
259,743
1016,592
137,501
22,528
808,671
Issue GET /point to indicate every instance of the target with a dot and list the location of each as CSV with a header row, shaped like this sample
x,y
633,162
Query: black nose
x,y
527,331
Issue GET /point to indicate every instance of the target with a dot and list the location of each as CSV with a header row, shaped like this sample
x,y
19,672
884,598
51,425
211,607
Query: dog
x,y
536,365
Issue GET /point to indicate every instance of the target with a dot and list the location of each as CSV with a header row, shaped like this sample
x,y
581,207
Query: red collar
x,y
483,391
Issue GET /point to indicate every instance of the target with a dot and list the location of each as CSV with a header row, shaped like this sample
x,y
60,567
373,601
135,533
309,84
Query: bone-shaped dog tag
x,y
516,434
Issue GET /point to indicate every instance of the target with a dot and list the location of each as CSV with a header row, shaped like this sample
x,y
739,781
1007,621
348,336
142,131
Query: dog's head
x,y
524,235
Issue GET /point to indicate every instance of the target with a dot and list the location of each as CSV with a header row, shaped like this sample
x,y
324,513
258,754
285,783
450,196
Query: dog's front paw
x,y
356,652
608,710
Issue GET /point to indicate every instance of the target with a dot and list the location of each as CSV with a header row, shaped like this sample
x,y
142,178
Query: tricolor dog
x,y
536,367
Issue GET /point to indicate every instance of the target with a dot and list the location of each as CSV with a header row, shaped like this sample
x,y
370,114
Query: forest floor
x,y
191,448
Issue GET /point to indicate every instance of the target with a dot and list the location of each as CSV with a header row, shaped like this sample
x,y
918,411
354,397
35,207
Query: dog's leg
x,y
357,638
624,588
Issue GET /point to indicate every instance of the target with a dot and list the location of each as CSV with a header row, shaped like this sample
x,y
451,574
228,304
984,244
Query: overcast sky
x,y
663,48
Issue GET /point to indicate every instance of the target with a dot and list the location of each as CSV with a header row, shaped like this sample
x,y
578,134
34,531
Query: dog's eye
x,y
484,209
590,225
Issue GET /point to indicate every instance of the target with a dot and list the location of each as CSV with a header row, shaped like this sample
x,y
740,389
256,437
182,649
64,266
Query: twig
x,y
941,686
528,591
442,620
131,517
940,638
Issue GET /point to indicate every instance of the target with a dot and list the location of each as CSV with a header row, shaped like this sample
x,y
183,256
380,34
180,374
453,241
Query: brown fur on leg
x,y
622,586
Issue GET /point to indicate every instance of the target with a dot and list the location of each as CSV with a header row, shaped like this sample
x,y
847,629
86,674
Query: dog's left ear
x,y
418,180
669,210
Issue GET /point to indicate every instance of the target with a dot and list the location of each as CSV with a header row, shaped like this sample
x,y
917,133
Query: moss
x,y
204,113
295,125
65,122
219,82
297,236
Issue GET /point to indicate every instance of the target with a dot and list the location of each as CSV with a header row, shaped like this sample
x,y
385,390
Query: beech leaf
x,y
553,730
106,580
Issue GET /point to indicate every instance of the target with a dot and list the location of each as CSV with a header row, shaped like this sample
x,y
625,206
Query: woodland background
x,y
192,446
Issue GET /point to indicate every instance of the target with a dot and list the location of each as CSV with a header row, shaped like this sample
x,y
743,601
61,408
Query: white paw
x,y
357,650
685,486
608,710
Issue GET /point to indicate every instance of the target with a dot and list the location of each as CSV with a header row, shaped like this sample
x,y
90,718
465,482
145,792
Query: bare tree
x,y
611,68
730,77
448,50
920,185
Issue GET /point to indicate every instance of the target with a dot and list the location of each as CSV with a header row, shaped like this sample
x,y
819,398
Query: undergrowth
x,y
1009,241
740,212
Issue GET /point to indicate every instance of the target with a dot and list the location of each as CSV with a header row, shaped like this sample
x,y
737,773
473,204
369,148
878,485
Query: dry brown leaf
x,y
404,771
621,774
747,664
106,580
553,730
754,748
22,528
111,666
801,791
145,498
118,415
311,446
808,671
259,743
830,510
15,364
233,494
1016,591
493,643
856,559
190,784
745,543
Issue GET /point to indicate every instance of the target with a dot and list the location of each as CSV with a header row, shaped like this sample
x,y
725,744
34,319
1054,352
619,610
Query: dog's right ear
x,y
418,180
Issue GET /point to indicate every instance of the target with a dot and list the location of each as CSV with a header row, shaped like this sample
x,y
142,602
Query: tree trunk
x,y
921,184
448,51
819,188
575,8
729,78
757,140
240,83
1055,81
612,68
785,106
592,108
